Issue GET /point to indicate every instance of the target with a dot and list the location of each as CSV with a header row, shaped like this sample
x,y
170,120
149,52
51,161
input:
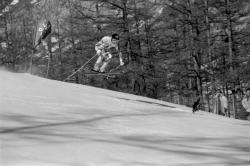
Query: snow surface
x,y
52,123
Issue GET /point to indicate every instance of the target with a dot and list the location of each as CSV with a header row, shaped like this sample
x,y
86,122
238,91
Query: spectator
x,y
246,102
220,105
224,105
216,102
197,104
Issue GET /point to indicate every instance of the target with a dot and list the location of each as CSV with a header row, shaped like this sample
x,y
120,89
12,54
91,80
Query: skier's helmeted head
x,y
115,38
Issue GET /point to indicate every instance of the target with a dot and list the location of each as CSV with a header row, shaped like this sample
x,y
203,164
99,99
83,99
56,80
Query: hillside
x,y
52,123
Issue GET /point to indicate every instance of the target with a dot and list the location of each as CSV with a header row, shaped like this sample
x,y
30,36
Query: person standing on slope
x,y
246,102
102,50
197,103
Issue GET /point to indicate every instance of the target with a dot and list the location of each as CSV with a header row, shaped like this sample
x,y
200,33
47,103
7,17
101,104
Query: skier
x,y
102,50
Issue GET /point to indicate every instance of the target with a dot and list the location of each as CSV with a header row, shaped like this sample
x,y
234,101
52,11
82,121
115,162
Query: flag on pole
x,y
43,30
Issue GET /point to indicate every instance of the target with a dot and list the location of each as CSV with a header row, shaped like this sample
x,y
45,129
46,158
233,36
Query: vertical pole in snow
x,y
48,66
234,106
34,47
31,61
49,52
32,53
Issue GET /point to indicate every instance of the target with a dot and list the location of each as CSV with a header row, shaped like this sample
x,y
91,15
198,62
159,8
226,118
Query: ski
x,y
109,75
117,67
112,71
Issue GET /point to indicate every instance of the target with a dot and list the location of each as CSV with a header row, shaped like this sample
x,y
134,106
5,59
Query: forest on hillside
x,y
174,50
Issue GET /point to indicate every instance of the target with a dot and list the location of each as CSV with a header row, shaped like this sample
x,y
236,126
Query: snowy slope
x,y
51,123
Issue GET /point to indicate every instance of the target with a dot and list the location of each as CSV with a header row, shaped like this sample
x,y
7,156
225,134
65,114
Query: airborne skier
x,y
102,50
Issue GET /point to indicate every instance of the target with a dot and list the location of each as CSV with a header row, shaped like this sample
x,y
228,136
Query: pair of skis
x,y
106,74
110,74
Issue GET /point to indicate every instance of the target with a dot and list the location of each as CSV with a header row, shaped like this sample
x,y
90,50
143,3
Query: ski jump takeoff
x,y
102,50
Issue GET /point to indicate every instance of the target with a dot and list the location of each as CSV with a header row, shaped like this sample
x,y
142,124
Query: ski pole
x,y
80,67
117,67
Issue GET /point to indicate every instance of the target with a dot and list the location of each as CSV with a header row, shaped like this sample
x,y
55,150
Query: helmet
x,y
115,36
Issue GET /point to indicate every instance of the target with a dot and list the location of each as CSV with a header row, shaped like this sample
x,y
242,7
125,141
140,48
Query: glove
x,y
121,63
99,52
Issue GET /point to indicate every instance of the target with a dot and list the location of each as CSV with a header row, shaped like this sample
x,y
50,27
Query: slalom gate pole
x,y
80,68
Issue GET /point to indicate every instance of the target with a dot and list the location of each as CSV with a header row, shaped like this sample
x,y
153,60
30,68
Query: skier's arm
x,y
99,47
100,44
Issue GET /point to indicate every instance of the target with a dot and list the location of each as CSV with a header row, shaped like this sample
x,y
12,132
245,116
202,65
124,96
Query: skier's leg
x,y
98,63
99,59
108,57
